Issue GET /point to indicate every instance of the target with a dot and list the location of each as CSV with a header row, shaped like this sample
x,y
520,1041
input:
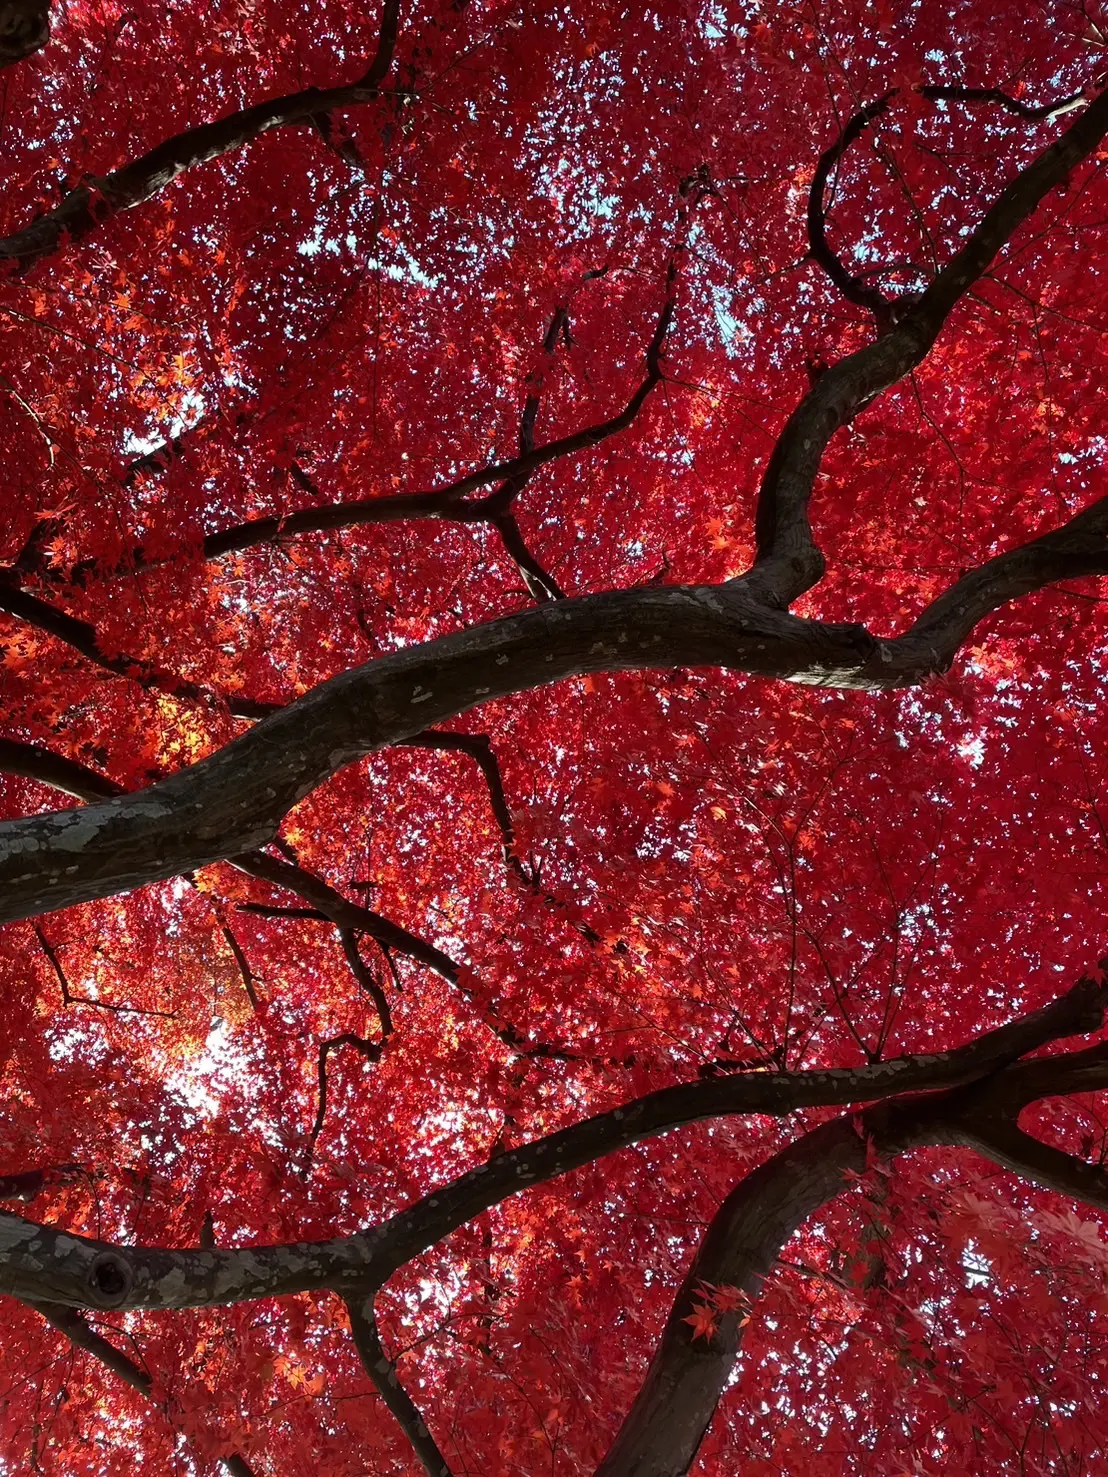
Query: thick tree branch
x,y
234,801
675,1404
39,1264
788,562
382,1371
33,762
1077,549
99,199
31,1182
1080,1010
1005,1143
24,29
70,1322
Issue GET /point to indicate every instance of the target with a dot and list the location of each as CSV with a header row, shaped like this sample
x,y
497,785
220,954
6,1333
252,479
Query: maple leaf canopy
x,y
553,760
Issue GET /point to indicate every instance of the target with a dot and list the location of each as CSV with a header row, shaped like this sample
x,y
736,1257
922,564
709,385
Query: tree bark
x,y
24,29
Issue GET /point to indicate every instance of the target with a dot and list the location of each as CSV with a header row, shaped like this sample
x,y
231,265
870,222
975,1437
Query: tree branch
x,y
449,502
852,287
31,1182
70,1322
694,1358
819,248
329,905
41,1264
24,29
246,974
69,998
675,1404
81,636
788,562
382,1371
1002,1141
1077,549
371,1050
479,747
33,762
541,584
367,980
355,918
349,917
91,204
234,801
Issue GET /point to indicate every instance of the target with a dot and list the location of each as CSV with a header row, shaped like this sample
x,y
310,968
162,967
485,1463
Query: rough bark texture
x,y
231,805
24,29
38,1264
687,1376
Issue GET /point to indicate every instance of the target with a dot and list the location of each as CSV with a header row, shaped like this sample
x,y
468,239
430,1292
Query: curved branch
x,y
788,562
70,1322
1005,1143
1029,112
819,248
41,1264
91,204
676,1401
541,584
479,747
234,801
852,287
382,1371
371,1050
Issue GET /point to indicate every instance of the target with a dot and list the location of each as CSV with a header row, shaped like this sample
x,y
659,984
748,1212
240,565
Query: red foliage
x,y
643,877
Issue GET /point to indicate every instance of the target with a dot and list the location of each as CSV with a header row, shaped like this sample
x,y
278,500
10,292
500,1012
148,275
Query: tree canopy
x,y
553,775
